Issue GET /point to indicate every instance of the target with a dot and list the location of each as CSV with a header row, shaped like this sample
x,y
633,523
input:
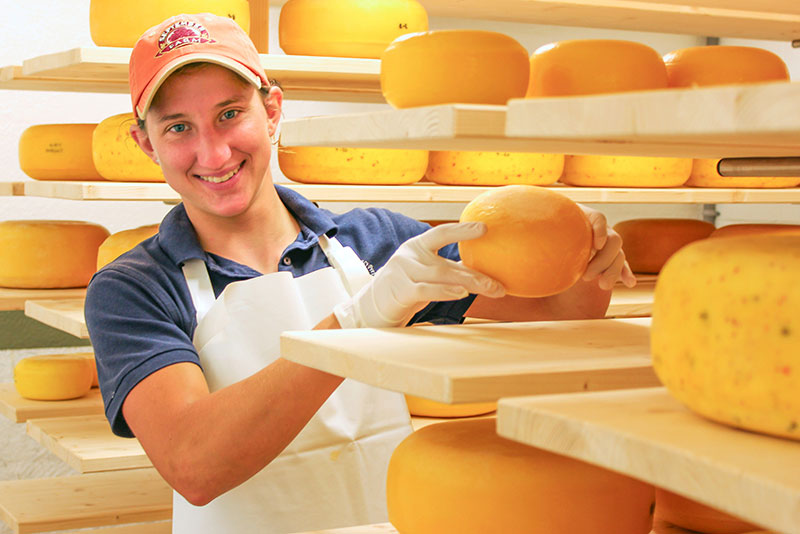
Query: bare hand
x,y
607,259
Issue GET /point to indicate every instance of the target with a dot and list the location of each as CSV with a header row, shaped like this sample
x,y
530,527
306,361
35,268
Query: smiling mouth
x,y
220,179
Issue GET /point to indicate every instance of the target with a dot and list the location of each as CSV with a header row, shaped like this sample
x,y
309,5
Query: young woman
x,y
185,326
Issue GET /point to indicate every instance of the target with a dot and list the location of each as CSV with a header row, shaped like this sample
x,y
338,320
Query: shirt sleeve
x,y
135,330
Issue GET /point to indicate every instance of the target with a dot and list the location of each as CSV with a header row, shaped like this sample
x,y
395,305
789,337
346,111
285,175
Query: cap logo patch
x,y
182,33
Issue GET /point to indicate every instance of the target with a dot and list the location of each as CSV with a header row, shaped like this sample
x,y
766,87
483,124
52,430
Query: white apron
x,y
333,473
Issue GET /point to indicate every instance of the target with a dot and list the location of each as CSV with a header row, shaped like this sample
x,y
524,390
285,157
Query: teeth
x,y
220,179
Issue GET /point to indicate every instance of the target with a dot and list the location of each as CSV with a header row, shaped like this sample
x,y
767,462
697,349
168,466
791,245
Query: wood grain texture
x,y
649,435
65,315
634,301
156,527
14,299
19,409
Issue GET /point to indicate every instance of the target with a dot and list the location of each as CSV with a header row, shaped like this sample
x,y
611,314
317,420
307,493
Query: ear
x,y
274,104
140,136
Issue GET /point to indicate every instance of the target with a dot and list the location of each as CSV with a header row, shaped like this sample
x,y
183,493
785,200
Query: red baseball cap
x,y
184,39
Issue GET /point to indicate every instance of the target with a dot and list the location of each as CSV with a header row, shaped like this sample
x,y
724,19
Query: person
x,y
185,326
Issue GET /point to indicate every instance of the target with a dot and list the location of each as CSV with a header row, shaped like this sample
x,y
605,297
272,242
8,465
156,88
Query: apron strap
x,y
351,268
199,284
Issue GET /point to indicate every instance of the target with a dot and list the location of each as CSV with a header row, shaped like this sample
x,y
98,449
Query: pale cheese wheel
x,y
58,152
422,407
121,22
54,377
455,167
649,243
120,242
453,66
116,155
725,335
366,166
460,477
48,254
347,28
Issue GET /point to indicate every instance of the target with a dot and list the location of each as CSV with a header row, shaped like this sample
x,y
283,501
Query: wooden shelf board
x,y
65,315
11,189
14,299
483,362
634,301
86,443
649,435
91,500
19,409
155,527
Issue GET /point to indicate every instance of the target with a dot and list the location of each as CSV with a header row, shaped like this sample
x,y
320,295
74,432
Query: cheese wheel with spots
x,y
58,152
755,229
116,155
121,242
455,167
648,243
360,166
54,377
48,254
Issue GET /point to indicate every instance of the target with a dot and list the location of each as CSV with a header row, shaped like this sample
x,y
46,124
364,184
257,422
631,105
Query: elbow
x,y
193,482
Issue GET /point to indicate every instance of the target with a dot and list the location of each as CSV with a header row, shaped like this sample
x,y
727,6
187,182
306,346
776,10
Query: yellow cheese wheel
x,y
116,155
90,356
537,241
367,166
460,477
53,376
625,171
755,228
419,406
680,511
58,152
120,242
648,243
48,254
704,174
121,22
453,66
347,28
453,167
725,336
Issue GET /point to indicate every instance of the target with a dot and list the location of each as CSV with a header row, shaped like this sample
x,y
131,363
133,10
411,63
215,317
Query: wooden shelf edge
x,y
65,315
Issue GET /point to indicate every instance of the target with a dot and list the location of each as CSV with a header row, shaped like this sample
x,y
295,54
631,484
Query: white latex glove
x,y
414,276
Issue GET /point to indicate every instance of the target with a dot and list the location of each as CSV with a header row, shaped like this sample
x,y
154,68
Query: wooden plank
x,y
156,527
483,362
422,192
96,499
65,315
87,444
14,299
10,189
707,122
12,77
634,301
19,409
649,435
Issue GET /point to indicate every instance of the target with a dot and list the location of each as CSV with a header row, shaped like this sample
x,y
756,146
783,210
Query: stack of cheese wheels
x,y
461,477
347,28
648,243
453,66
422,407
454,167
723,65
121,22
48,254
594,66
537,241
367,166
120,242
58,152
755,229
54,376
116,155
726,330
679,511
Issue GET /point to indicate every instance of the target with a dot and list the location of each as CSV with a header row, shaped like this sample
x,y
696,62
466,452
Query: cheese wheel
x,y
53,376
58,152
347,28
367,166
122,22
625,171
419,406
455,167
717,304
460,477
120,242
704,174
755,228
48,254
453,66
116,155
537,241
680,511
648,243
90,356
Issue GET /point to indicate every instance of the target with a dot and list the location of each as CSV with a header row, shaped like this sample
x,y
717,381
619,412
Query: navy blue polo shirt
x,y
140,314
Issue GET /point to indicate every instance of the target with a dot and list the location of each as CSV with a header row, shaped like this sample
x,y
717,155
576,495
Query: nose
x,y
213,150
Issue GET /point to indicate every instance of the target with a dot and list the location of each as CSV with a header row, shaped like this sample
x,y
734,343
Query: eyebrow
x,y
224,103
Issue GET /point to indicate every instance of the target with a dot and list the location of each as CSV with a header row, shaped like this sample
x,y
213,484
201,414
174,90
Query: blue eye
x,y
229,114
177,128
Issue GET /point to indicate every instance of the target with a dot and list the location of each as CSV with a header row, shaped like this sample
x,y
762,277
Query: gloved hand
x,y
414,276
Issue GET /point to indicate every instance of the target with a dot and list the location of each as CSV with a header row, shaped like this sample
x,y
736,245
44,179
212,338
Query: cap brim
x,y
169,68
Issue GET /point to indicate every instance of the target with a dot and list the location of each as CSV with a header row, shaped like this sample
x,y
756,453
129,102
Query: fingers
x,y
599,227
445,234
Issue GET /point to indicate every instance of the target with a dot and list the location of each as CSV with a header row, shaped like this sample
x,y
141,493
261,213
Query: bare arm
x,y
205,444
